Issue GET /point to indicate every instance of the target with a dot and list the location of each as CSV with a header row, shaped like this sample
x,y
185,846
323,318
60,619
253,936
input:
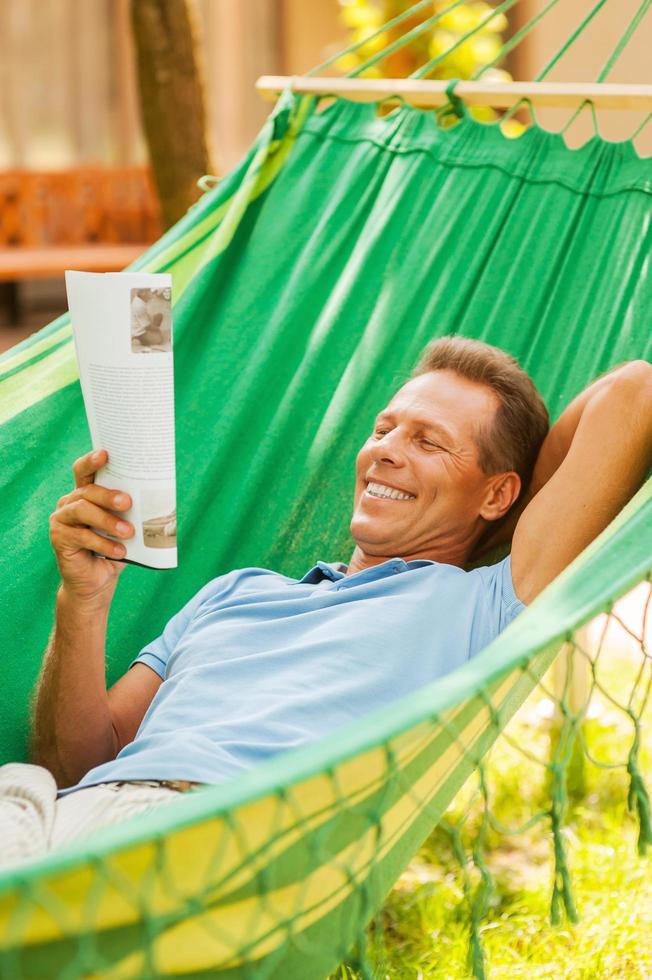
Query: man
x,y
256,662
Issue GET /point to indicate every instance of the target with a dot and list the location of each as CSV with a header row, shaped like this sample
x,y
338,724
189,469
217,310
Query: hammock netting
x,y
305,284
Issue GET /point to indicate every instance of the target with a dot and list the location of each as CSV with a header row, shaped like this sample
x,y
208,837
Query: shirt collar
x,y
333,571
337,570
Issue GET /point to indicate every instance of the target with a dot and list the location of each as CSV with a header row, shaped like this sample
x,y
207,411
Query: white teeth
x,y
380,490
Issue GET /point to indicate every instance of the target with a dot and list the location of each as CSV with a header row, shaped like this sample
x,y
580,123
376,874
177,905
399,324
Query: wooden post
x,y
172,102
571,680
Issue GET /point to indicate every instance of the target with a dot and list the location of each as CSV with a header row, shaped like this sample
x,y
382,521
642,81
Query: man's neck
x,y
360,560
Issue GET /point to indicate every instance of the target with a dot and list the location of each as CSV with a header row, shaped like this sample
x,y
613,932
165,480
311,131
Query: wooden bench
x,y
97,219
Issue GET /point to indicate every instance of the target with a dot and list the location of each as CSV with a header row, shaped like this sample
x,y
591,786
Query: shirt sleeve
x,y
504,604
157,653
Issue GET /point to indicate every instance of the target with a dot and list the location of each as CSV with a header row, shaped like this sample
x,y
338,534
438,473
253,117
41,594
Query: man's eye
x,y
381,432
430,445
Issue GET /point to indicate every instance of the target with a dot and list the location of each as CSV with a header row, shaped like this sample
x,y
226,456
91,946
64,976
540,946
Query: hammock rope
x,y
573,728
570,41
515,40
608,66
586,104
389,25
430,65
624,40
402,41
505,49
639,129
556,58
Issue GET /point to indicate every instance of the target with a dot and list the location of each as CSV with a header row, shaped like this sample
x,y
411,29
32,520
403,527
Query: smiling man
x,y
257,663
451,451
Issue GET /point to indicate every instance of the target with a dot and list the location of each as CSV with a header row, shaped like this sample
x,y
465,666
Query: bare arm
x,y
77,723
593,461
551,456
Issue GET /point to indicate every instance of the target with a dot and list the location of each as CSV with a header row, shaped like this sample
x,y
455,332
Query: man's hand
x,y
84,575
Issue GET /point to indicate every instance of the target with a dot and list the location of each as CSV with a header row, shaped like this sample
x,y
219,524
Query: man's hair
x,y
512,440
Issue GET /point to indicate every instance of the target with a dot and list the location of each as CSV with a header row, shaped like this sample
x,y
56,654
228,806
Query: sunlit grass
x,y
422,931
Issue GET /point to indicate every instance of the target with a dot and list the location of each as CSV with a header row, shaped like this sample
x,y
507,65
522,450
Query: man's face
x,y
424,445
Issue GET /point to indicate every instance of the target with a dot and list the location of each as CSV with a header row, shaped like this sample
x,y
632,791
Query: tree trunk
x,y
171,101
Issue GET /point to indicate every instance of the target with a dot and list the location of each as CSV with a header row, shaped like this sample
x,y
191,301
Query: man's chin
x,y
370,537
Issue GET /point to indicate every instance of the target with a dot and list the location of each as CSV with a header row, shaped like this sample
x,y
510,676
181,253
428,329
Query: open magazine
x,y
122,326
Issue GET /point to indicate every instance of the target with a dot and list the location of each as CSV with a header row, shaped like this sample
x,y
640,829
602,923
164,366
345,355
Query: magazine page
x,y
122,326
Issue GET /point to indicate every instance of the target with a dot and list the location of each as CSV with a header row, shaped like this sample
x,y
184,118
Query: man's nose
x,y
389,449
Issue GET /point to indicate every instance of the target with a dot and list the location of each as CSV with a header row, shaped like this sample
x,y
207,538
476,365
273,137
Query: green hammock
x,y
305,285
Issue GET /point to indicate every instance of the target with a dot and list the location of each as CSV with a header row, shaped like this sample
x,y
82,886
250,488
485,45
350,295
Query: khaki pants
x,y
33,821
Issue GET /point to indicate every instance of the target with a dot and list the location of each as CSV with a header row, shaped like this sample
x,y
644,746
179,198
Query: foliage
x,y
363,18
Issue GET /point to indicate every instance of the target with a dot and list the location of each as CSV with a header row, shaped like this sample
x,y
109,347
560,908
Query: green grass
x,y
422,931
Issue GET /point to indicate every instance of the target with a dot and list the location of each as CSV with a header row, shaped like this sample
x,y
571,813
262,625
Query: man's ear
x,y
502,491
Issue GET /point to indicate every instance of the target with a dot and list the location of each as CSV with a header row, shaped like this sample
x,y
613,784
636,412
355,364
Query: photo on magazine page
x,y
151,321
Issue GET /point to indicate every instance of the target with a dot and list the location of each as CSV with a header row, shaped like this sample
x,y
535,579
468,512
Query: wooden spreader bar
x,y
431,93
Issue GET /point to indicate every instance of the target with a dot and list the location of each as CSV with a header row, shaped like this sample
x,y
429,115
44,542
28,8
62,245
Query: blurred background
x,y
111,109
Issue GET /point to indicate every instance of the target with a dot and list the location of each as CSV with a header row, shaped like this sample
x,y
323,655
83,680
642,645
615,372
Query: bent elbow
x,y
637,373
633,383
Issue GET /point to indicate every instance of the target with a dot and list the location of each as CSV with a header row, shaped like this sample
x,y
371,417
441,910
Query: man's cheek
x,y
361,465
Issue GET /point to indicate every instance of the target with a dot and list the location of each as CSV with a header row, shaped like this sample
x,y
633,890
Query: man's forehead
x,y
444,399
422,421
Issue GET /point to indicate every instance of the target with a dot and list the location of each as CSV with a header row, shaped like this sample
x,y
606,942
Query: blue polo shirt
x,y
258,663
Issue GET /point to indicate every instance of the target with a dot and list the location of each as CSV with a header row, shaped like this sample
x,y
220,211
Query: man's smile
x,y
382,491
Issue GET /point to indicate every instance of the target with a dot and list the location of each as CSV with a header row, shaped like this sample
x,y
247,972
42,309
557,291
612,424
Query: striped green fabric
x,y
305,285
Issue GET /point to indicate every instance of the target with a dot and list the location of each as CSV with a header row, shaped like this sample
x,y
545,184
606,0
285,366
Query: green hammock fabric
x,y
305,285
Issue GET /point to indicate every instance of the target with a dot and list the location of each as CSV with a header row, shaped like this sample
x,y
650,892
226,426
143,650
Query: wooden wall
x,y
67,91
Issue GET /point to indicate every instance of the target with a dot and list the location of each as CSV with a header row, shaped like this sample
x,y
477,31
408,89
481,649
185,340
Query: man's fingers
x,y
102,496
84,538
85,468
82,512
